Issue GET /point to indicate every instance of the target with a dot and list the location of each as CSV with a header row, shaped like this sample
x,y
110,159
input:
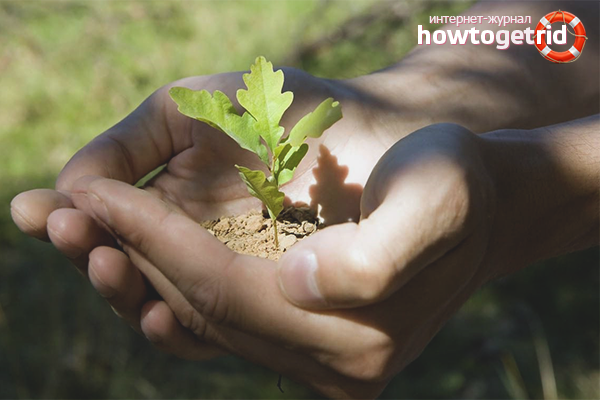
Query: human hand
x,y
199,180
426,217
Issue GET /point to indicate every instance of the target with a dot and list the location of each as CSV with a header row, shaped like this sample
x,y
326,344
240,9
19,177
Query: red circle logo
x,y
565,56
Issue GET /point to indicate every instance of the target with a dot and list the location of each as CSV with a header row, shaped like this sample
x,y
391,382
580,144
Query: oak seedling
x,y
258,130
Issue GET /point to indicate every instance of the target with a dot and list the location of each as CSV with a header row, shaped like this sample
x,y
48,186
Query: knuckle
x,y
135,239
373,361
459,196
194,322
142,236
453,203
126,159
207,296
372,286
367,277
467,198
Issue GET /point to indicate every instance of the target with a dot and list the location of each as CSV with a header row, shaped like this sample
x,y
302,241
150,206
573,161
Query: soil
x,y
252,233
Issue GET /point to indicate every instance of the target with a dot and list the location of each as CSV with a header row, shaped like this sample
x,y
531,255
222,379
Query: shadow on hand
x,y
336,201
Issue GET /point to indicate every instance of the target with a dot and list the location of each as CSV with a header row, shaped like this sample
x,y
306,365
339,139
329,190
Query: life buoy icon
x,y
564,56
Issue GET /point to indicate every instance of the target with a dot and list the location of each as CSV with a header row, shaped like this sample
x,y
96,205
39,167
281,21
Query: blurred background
x,y
70,70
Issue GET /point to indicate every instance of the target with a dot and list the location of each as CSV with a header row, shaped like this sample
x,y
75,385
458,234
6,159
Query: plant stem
x,y
275,233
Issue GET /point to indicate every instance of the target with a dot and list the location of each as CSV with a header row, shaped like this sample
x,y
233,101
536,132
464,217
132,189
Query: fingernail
x,y
152,338
117,313
99,207
298,279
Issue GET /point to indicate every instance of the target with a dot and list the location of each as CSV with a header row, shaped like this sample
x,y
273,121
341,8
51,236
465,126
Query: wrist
x,y
546,183
425,93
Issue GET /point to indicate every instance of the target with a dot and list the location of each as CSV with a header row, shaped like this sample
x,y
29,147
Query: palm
x,y
202,182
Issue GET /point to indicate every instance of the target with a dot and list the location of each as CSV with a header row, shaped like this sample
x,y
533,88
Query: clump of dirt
x,y
252,233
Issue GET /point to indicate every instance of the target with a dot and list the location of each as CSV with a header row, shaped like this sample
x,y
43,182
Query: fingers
x,y
148,224
30,210
135,146
128,151
202,280
224,298
115,278
416,206
162,328
76,234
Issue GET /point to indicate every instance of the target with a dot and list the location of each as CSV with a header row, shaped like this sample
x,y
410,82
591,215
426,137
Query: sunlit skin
x,y
214,300
426,220
200,183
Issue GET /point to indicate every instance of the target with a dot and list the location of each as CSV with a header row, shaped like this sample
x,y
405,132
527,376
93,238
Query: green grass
x,y
69,70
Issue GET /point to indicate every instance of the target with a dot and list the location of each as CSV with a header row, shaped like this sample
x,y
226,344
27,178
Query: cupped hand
x,y
344,310
199,179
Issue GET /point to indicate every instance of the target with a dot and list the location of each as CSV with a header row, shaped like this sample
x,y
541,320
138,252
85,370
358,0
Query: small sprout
x,y
258,129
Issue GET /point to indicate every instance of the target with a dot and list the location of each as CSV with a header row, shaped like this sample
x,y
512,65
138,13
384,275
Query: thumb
x,y
415,208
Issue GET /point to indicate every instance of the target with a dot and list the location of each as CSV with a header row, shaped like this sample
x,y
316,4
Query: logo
x,y
543,31
541,37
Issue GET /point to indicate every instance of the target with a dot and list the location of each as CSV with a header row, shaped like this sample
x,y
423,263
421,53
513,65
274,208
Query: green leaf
x,y
218,111
245,127
315,123
287,158
265,105
264,100
266,190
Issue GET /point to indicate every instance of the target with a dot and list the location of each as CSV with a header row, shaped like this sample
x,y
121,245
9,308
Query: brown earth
x,y
252,233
